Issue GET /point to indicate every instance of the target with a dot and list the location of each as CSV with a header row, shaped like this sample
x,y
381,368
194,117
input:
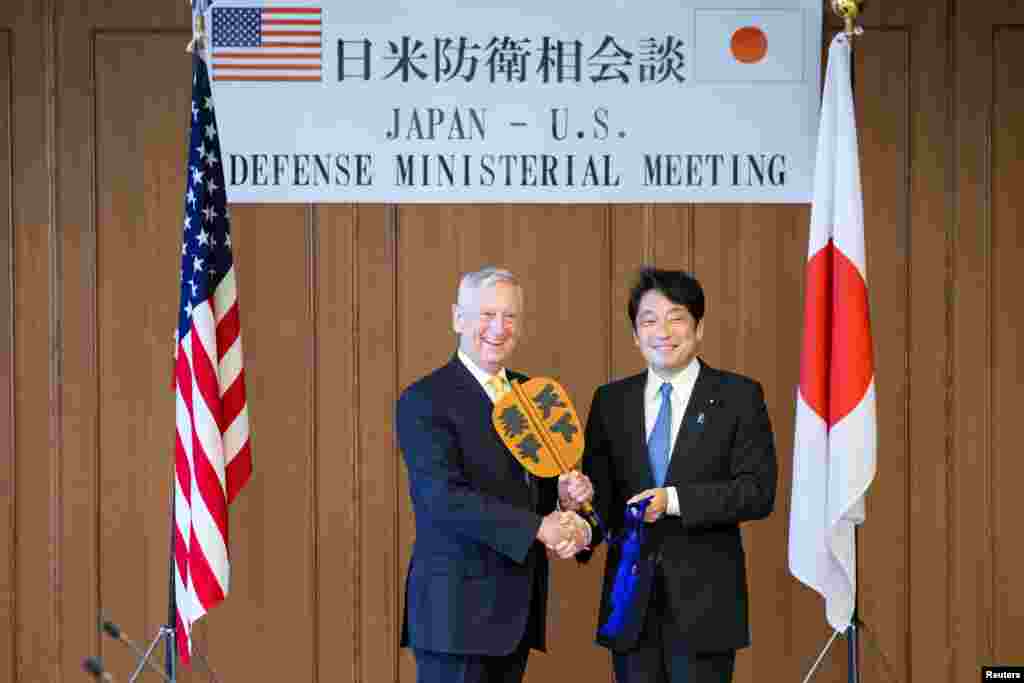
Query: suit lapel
x,y
636,431
471,393
692,428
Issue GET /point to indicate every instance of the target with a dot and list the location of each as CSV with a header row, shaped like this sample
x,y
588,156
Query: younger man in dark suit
x,y
698,442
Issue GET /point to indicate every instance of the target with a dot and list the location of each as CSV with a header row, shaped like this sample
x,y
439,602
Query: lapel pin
x,y
700,419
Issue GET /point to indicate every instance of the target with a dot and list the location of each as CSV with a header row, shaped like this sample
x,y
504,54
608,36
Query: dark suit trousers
x,y
441,667
662,657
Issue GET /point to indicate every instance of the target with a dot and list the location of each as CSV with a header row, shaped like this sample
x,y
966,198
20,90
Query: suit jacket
x,y
723,467
476,570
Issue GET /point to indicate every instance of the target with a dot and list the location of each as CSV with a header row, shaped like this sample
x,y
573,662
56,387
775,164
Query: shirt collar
x,y
481,375
682,382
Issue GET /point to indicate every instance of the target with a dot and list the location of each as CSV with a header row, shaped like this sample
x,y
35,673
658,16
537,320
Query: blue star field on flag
x,y
206,242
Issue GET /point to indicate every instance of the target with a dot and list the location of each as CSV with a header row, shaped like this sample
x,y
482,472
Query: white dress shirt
x,y
682,388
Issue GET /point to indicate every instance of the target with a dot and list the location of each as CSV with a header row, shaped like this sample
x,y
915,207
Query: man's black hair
x,y
677,286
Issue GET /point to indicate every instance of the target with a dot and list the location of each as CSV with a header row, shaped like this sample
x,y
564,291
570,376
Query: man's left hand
x,y
656,508
574,490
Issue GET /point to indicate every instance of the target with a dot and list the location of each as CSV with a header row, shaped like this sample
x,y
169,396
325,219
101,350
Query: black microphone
x,y
111,629
115,632
94,666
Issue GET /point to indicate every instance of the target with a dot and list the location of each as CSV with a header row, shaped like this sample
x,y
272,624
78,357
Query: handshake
x,y
563,531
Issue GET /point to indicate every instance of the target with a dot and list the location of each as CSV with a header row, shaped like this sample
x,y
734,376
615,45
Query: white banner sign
x,y
547,101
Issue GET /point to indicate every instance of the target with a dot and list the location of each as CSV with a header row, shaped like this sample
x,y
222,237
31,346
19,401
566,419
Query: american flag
x,y
212,457
272,43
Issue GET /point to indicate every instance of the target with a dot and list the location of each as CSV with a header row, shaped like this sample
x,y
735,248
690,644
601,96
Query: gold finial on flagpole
x,y
198,41
848,11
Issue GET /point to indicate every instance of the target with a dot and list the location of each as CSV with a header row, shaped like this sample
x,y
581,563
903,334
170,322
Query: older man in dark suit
x,y
698,443
476,592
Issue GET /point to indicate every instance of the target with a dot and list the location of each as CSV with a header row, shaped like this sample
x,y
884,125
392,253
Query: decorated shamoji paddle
x,y
538,423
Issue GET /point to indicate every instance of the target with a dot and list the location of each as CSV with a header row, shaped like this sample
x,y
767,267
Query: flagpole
x,y
171,650
848,11
194,48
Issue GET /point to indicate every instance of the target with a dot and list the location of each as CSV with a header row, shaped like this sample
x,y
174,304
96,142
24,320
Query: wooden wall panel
x,y
7,464
632,244
929,351
137,254
266,627
334,486
37,609
882,83
380,578
975,604
1005,585
74,181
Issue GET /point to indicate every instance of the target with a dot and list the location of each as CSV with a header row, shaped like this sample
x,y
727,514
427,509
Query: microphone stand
x,y
114,631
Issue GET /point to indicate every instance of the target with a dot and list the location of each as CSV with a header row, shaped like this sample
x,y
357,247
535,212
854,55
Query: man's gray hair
x,y
485,277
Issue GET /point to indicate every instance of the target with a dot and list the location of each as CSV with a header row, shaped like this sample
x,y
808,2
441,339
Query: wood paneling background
x,y
344,305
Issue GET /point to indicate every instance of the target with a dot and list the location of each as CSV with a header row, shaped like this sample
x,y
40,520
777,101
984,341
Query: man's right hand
x,y
561,533
553,530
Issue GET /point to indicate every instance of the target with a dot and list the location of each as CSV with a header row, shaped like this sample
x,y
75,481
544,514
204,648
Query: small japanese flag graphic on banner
x,y
834,454
749,45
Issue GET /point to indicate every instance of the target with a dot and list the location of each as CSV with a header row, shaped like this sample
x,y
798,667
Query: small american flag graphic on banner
x,y
271,43
212,460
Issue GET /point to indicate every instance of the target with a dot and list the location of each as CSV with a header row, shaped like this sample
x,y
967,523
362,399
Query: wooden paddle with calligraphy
x,y
538,423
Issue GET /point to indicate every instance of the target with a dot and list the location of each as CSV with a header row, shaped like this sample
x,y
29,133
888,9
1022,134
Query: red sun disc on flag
x,y
837,363
749,45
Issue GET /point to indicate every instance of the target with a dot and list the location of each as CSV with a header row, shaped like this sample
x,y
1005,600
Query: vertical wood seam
x,y
988,616
952,230
691,236
649,230
312,282
393,229
97,492
357,493
908,344
11,440
609,239
55,309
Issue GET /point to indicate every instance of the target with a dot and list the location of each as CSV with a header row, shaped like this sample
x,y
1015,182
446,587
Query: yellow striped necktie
x,y
499,387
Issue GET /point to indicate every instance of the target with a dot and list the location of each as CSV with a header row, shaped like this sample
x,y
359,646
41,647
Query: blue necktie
x,y
661,437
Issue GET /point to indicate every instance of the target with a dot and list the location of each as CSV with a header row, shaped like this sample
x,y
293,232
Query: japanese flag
x,y
834,448
749,45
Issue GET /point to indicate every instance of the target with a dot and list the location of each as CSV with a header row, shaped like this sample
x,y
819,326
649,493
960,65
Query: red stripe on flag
x,y
296,32
291,10
183,380
183,376
267,79
233,402
836,360
204,581
297,22
206,377
208,484
238,471
181,470
181,640
181,555
260,66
